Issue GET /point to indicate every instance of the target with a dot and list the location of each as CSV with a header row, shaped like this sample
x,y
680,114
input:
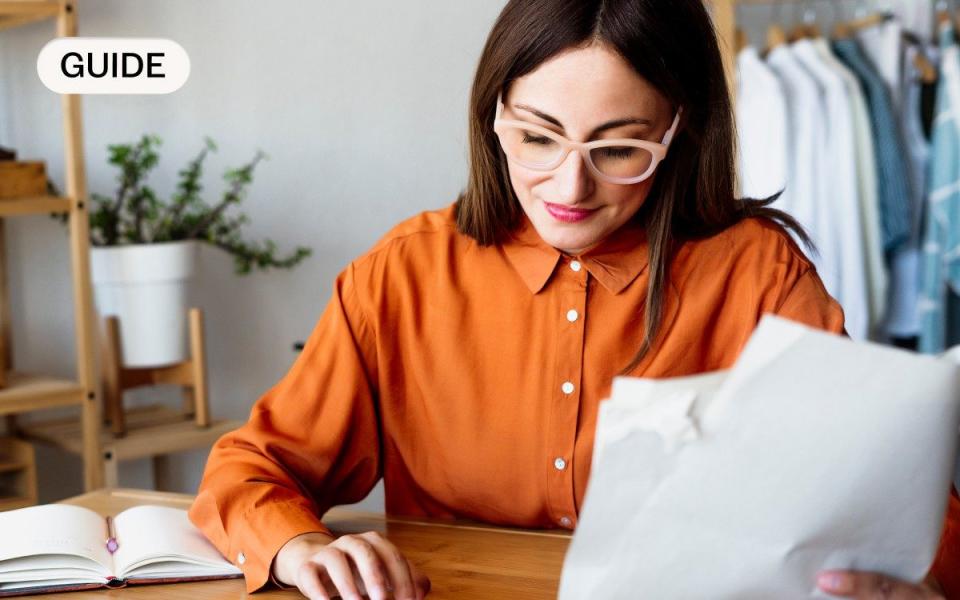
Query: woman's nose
x,y
572,179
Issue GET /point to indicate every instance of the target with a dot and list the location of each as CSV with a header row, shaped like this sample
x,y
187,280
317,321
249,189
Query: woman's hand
x,y
858,584
323,567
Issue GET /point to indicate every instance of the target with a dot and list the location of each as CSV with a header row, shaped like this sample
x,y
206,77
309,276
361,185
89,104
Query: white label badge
x,y
78,65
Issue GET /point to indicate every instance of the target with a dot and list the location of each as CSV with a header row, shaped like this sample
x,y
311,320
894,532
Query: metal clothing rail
x,y
725,22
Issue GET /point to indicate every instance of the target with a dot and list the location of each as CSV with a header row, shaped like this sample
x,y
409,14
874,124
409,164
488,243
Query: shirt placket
x,y
571,316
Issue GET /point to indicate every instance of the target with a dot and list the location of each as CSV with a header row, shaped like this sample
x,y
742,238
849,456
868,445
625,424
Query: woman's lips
x,y
568,214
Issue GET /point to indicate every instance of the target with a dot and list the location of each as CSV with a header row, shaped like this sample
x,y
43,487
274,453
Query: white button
x,y
572,315
241,558
560,464
565,521
567,387
575,265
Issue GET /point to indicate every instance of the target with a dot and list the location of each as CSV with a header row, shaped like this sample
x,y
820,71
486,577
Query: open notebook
x,y
59,547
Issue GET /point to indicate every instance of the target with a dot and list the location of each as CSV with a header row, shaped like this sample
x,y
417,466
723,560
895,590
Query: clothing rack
x,y
877,72
725,22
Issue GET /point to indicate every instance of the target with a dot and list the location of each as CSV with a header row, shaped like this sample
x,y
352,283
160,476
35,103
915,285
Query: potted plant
x,y
143,250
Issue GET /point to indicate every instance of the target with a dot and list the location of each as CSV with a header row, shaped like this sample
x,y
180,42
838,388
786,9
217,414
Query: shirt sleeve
x,y
312,442
946,565
808,302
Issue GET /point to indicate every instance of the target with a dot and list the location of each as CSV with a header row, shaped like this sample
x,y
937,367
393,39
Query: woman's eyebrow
x,y
608,125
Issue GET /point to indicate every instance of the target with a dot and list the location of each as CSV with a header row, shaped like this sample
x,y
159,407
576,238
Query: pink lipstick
x,y
568,214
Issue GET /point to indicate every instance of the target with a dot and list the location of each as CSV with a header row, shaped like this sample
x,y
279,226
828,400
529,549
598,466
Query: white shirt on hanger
x,y
842,203
762,129
876,269
805,179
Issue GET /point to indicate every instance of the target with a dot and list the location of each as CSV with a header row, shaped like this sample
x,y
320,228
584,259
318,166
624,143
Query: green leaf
x,y
136,214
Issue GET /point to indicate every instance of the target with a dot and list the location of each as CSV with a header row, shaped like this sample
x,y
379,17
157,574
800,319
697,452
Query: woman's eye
x,y
618,152
536,139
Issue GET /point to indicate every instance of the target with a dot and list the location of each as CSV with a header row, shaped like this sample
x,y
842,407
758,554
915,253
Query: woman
x,y
463,357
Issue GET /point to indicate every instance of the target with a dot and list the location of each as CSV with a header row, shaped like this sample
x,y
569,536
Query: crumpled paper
x,y
813,452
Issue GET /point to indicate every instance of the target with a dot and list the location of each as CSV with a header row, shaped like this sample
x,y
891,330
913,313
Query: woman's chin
x,y
569,244
567,237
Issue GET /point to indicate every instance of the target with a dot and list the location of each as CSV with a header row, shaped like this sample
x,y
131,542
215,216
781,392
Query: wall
x,y
362,109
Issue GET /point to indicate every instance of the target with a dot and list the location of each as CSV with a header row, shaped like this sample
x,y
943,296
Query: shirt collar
x,y
615,262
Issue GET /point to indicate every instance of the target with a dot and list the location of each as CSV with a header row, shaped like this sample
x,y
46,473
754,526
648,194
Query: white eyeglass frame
x,y
657,150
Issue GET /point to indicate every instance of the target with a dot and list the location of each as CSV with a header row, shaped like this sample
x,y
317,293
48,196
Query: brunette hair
x,y
672,45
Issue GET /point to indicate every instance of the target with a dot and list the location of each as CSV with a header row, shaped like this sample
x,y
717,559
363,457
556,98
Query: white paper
x,y
812,453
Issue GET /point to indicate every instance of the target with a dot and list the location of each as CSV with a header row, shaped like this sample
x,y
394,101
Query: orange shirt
x,y
468,377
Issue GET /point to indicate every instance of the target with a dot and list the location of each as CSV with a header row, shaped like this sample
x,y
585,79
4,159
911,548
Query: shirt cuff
x,y
262,531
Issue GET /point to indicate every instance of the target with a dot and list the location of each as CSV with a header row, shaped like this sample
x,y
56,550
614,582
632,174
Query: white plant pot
x,y
146,286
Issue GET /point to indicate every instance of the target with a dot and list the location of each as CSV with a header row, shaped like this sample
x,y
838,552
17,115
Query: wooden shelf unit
x,y
18,474
15,502
23,393
26,392
152,432
14,13
36,205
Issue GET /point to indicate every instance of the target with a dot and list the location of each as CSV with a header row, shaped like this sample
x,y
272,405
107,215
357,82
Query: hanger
x,y
776,34
842,31
807,27
926,68
815,30
870,21
928,72
776,37
812,28
740,40
943,13
847,29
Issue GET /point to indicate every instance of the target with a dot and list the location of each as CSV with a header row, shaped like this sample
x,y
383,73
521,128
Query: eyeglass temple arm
x,y
668,137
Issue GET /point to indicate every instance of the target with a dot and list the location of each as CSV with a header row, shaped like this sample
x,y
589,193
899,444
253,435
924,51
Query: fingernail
x,y
835,581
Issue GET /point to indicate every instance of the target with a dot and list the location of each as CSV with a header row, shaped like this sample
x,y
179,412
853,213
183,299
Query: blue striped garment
x,y
892,169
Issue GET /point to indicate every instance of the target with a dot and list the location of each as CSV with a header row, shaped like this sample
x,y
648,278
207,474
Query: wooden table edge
x,y
336,513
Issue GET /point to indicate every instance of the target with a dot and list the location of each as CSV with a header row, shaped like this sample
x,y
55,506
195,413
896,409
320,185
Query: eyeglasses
x,y
622,161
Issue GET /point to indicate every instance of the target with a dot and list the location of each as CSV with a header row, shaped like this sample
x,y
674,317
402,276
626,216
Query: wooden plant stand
x,y
191,374
154,431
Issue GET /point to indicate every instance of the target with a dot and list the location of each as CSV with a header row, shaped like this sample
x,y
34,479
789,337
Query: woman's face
x,y
582,90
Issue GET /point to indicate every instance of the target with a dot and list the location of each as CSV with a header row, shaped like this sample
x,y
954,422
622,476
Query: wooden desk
x,y
464,561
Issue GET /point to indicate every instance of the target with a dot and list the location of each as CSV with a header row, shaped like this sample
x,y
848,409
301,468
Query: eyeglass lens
x,y
536,150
